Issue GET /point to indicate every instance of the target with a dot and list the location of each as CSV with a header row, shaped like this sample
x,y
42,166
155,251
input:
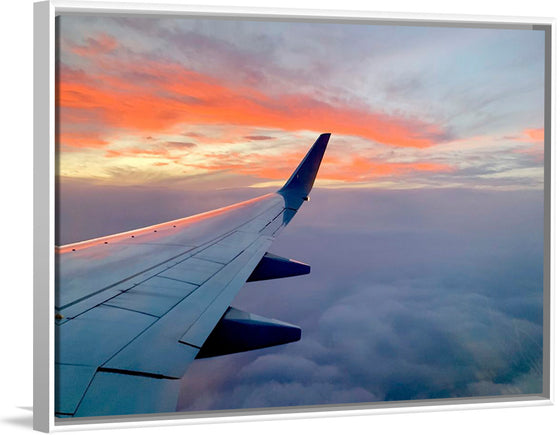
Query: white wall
x,y
16,229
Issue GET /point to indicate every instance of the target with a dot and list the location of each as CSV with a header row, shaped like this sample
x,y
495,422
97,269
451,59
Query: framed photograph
x,y
249,212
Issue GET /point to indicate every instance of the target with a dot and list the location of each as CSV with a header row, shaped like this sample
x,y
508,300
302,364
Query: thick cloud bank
x,y
412,295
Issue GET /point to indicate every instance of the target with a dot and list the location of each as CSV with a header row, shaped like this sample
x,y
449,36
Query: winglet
x,y
300,183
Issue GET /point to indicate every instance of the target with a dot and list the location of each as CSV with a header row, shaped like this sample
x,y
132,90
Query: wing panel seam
x,y
128,309
123,280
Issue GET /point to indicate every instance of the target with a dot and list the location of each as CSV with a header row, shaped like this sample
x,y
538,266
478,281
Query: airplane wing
x,y
134,309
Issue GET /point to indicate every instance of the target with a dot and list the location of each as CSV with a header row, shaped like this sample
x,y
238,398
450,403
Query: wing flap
x,y
121,394
95,336
155,296
158,350
71,382
203,326
193,270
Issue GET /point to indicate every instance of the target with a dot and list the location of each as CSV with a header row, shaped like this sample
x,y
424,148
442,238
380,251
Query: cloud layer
x,y
412,294
422,295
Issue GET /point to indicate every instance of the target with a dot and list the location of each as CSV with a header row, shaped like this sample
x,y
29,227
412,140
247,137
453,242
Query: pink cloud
x,y
94,46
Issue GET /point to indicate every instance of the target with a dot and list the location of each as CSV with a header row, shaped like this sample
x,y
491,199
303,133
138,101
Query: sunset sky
x,y
425,232
168,100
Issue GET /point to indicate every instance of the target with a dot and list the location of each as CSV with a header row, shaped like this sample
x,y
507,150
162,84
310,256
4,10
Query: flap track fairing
x,y
239,331
273,266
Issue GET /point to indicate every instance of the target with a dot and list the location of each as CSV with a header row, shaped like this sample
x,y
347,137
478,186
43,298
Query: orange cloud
x,y
171,150
536,150
334,168
157,97
362,169
81,140
536,134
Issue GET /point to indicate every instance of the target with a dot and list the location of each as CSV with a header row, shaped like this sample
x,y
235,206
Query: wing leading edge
x,y
133,310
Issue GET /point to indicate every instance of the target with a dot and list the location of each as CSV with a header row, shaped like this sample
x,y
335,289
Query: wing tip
x,y
302,179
